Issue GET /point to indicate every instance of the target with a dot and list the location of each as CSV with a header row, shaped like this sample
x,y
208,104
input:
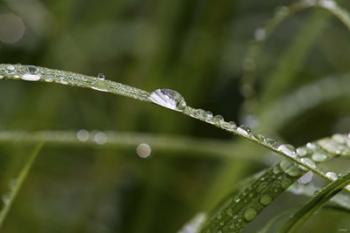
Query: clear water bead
x,y
250,214
101,76
302,152
168,98
332,175
307,178
288,150
290,168
143,150
308,162
32,69
319,157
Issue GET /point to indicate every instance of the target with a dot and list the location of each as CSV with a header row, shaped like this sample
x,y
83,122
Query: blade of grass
x,y
315,203
11,196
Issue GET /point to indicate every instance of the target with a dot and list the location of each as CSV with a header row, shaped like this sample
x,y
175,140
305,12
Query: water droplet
x,y
311,146
265,199
308,162
307,178
290,168
339,138
302,151
244,131
31,77
101,76
230,126
288,150
329,4
285,183
32,69
168,98
143,150
100,138
218,119
83,135
10,69
250,214
319,157
332,175
260,34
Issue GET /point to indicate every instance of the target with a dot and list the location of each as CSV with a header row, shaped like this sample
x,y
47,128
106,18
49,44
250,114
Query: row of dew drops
x,y
34,73
309,155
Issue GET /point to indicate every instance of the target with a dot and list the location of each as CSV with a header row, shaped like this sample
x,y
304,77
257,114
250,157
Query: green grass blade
x,y
11,196
244,205
315,203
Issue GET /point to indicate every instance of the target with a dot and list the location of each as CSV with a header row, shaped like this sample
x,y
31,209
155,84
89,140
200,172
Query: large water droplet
x,y
168,98
307,178
288,150
32,69
332,175
250,214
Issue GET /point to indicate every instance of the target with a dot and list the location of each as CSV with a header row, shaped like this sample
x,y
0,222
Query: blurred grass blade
x,y
315,203
341,200
10,197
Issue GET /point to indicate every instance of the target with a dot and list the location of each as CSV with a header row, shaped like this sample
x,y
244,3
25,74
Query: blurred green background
x,y
195,47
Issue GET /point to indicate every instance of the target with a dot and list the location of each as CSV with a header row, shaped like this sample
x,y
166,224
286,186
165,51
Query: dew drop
x,y
260,34
83,135
143,150
288,150
208,116
265,199
319,157
32,69
218,119
168,98
329,4
290,168
101,76
250,214
10,68
100,138
332,175
302,151
307,178
31,77
311,146
242,130
308,162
